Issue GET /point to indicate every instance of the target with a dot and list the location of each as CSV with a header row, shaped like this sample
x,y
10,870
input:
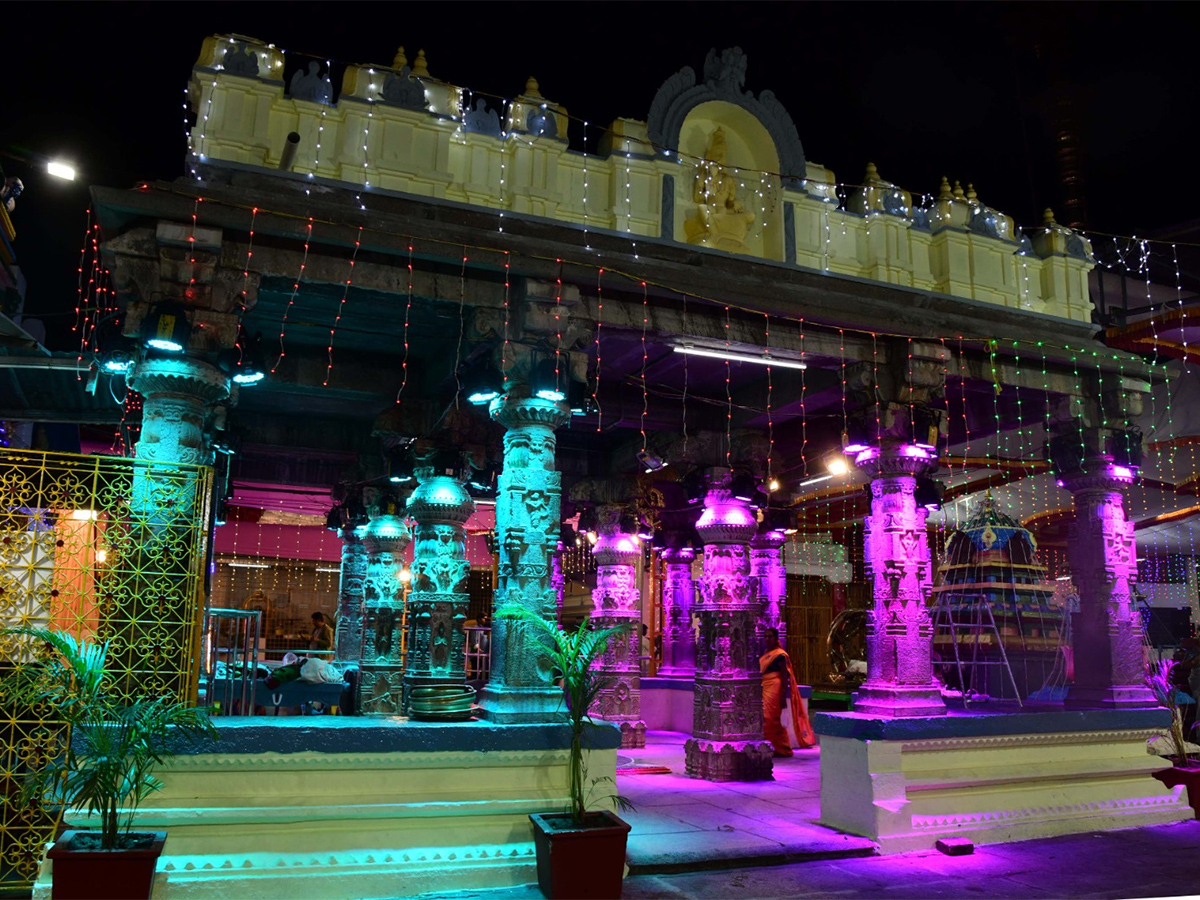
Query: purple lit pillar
x,y
766,567
900,678
617,600
1107,631
679,596
348,641
727,734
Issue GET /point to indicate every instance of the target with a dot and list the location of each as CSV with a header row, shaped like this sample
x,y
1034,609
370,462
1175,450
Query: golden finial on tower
x,y
1048,218
944,192
399,61
958,191
420,67
872,174
531,87
971,195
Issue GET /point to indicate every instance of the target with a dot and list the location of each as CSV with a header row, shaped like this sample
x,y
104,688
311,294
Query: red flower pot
x,y
1189,777
104,874
585,862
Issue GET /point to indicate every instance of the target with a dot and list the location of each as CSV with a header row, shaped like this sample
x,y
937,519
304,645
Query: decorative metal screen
x,y
107,549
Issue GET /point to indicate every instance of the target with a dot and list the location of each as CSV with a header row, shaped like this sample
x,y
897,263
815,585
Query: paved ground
x,y
1161,861
696,839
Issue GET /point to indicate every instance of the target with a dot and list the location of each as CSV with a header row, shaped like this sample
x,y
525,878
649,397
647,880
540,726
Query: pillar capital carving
x,y
896,460
191,378
387,534
514,412
439,500
768,540
679,555
725,519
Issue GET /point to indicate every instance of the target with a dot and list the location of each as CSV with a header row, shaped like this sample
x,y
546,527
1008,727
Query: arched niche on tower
x,y
729,194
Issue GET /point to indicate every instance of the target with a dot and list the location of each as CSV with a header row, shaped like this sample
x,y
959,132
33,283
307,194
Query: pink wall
x,y
320,544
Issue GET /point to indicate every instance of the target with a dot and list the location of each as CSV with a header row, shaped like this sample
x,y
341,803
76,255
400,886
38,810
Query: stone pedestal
x,y
527,532
907,783
727,738
380,687
617,601
900,678
679,598
348,641
437,605
766,568
1106,633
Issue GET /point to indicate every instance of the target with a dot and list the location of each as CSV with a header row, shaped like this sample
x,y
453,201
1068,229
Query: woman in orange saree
x,y
778,682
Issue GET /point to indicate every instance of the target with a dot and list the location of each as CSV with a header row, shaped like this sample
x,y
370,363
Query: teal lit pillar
x,y
381,667
437,604
527,535
349,639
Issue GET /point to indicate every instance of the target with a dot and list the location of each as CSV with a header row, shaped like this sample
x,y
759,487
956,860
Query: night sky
x,y
923,90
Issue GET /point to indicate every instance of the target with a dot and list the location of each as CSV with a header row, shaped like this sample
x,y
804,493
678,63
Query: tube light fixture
x,y
742,357
247,565
328,569
816,480
60,170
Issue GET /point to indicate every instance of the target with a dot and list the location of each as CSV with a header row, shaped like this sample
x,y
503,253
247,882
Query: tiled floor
x,y
680,820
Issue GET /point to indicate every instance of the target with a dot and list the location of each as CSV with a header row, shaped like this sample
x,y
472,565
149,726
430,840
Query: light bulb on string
x,y
341,306
599,324
292,299
408,314
803,409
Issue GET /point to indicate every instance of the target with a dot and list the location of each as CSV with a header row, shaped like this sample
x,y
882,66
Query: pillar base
x,y
521,706
1126,696
633,734
729,760
676,672
898,702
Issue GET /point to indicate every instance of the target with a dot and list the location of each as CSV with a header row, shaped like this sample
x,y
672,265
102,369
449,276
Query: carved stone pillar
x,y
727,736
766,568
154,605
437,605
617,600
178,393
1106,633
900,678
349,639
381,685
527,531
679,599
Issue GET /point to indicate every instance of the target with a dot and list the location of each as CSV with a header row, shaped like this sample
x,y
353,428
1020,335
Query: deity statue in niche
x,y
720,220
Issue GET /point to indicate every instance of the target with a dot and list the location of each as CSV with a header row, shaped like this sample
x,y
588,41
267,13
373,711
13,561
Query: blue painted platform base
x,y
342,807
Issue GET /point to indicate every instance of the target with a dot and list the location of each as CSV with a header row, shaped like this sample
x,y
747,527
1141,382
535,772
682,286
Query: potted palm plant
x,y
1163,685
101,763
580,851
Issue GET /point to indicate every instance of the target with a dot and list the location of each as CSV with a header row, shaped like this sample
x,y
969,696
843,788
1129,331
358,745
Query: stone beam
x,y
537,246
